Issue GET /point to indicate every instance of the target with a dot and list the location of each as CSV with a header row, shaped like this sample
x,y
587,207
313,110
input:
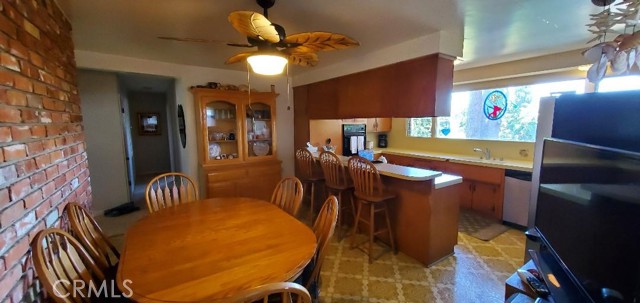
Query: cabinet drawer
x,y
265,170
226,175
490,175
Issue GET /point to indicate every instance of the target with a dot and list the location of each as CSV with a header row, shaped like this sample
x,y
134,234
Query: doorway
x,y
148,110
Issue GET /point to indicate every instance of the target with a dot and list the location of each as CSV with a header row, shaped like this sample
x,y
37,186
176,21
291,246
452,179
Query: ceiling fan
x,y
272,41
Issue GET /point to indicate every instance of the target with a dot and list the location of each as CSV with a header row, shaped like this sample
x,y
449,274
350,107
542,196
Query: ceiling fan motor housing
x,y
602,2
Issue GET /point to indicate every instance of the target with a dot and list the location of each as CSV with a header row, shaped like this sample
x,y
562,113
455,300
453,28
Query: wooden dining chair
x,y
337,182
323,227
170,189
369,192
310,174
94,241
281,292
57,257
288,194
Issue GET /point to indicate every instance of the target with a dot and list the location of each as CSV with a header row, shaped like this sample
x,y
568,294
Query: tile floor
x,y
475,273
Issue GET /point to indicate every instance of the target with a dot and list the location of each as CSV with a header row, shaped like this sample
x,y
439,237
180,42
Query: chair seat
x,y
386,195
340,187
313,179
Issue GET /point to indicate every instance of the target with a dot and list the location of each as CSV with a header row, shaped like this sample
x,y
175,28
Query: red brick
x,y
9,62
43,208
23,83
54,130
5,134
26,167
14,152
10,279
48,189
8,27
35,59
19,189
18,49
18,251
19,133
38,179
11,214
39,88
16,98
4,197
34,148
25,223
38,131
7,237
48,144
6,77
8,114
29,116
43,161
56,156
32,199
34,101
8,174
49,103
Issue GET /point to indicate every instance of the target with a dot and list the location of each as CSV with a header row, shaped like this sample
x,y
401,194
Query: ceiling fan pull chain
x,y
288,90
253,121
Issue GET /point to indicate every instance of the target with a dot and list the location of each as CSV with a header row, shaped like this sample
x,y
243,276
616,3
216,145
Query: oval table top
x,y
212,248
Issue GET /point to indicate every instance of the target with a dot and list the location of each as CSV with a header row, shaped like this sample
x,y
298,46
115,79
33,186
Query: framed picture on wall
x,y
148,124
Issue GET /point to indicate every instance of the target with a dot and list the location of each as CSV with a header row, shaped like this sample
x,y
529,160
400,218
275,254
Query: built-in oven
x,y
353,138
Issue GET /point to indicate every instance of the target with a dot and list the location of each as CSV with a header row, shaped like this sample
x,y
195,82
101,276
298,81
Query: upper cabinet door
x,y
322,99
260,126
221,130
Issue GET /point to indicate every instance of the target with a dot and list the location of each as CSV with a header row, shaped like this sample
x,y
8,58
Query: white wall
x,y
100,103
187,76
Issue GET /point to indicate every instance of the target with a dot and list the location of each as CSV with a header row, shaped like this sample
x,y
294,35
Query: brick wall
x,y
42,150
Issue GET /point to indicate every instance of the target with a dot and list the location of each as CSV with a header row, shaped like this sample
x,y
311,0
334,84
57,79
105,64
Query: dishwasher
x,y
517,190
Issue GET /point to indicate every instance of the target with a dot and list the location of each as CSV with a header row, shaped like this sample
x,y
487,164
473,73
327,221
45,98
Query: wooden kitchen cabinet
x,y
420,87
237,142
482,187
321,99
379,125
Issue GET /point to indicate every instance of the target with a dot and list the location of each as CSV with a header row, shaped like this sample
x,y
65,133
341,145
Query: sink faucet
x,y
486,153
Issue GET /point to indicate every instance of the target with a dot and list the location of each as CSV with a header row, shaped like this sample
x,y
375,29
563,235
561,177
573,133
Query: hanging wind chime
x,y
623,52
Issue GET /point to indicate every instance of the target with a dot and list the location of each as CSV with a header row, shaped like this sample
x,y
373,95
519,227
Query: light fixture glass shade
x,y
267,64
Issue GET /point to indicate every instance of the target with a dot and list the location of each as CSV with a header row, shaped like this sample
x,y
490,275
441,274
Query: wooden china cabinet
x,y
237,142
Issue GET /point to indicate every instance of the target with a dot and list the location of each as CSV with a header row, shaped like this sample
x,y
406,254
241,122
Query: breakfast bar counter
x,y
424,213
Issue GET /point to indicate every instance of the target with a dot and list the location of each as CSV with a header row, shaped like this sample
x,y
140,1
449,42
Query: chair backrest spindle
x,y
168,190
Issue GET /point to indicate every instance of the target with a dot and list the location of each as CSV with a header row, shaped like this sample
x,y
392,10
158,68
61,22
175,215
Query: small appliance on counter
x,y
353,138
382,140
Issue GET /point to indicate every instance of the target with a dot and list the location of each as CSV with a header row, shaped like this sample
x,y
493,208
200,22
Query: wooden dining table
x,y
211,249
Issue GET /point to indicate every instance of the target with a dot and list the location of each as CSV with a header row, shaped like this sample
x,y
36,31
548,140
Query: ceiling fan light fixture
x,y
267,64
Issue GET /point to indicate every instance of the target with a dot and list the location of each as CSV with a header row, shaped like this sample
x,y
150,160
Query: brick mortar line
x,y
49,180
27,234
39,219
23,273
9,124
71,85
8,163
4,105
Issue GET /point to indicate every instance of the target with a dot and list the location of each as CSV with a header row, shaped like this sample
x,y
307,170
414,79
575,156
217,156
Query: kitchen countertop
x,y
412,173
463,159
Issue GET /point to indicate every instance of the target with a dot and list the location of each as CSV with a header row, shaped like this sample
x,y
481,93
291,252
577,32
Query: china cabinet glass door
x,y
222,131
259,128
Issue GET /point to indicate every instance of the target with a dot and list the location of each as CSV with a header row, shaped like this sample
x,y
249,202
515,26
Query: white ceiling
x,y
494,30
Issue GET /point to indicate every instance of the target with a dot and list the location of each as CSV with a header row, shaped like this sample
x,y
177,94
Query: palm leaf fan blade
x,y
304,59
322,41
239,57
254,25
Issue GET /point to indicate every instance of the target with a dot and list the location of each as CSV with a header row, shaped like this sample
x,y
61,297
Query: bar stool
x,y
309,174
369,192
337,181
